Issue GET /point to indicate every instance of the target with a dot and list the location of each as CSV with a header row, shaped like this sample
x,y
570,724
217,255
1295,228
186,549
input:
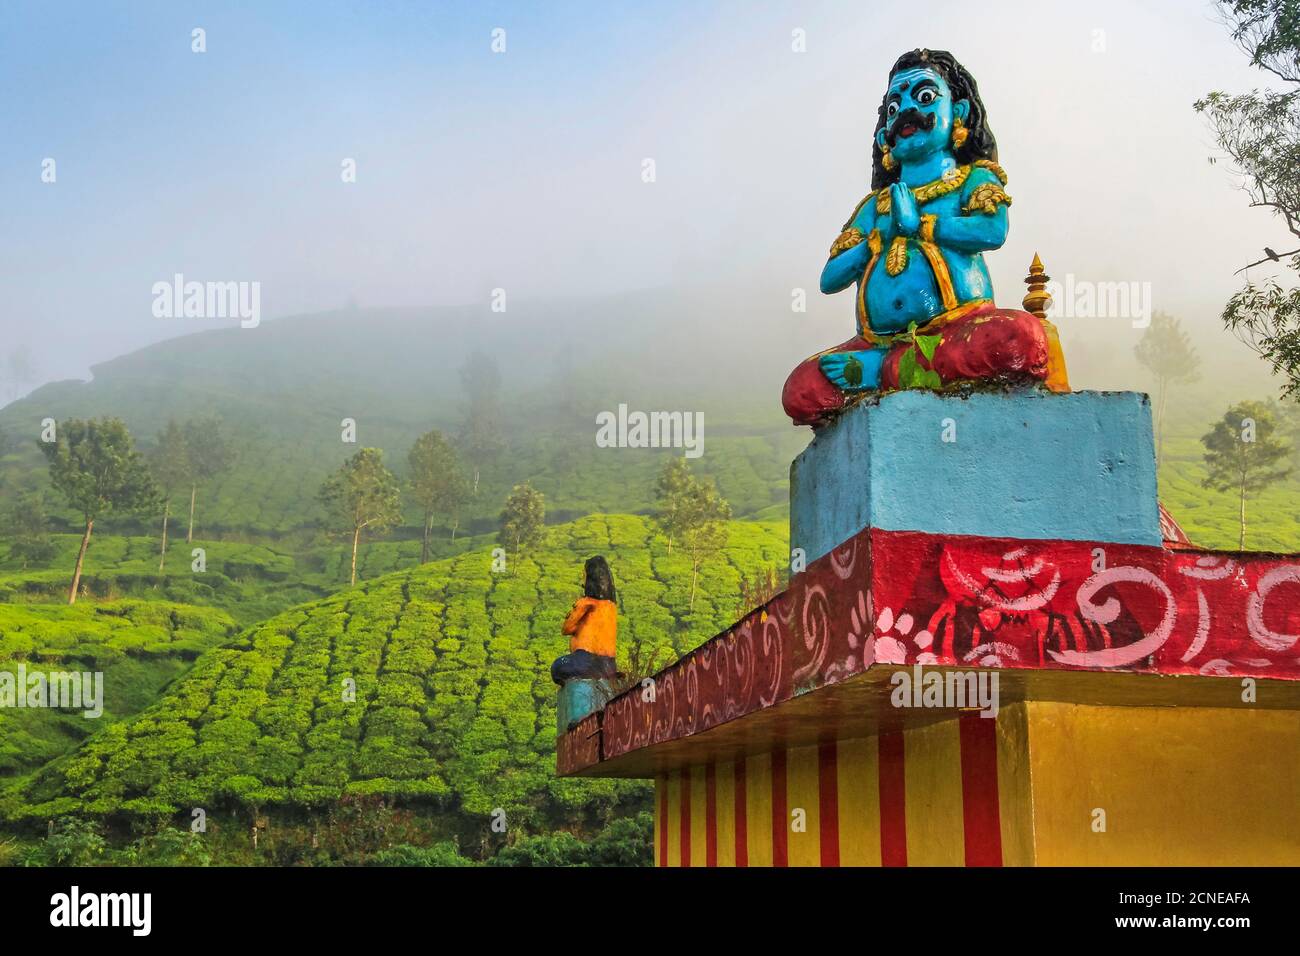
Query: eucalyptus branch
x,y
1274,258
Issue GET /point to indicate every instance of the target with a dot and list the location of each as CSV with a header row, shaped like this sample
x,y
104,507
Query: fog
x,y
524,170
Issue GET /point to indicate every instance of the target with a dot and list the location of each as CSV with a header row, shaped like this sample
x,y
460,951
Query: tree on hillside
x,y
692,511
522,519
705,531
362,495
19,370
1168,354
757,590
437,484
1242,452
566,379
1260,133
480,437
210,453
95,466
1289,429
25,525
672,492
172,470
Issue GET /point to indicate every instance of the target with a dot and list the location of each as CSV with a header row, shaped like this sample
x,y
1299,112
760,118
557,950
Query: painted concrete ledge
x,y
1023,463
1075,621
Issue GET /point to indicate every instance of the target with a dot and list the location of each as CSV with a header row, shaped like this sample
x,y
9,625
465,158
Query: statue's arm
x,y
843,270
581,609
982,223
973,232
850,251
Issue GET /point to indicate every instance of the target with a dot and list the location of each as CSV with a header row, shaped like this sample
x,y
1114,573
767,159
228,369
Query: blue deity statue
x,y
914,249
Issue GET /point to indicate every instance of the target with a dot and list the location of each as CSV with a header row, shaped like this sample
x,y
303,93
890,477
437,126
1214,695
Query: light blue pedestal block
x,y
578,698
1018,464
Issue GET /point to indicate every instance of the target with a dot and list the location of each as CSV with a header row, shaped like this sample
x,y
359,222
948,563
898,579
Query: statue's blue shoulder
x,y
983,187
983,171
864,213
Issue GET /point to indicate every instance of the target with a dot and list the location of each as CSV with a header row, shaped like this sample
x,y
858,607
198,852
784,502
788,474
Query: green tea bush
x,y
430,686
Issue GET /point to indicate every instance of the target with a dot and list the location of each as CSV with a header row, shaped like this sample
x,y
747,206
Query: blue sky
x,y
522,170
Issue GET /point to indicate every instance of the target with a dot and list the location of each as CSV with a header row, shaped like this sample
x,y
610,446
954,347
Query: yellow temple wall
x,y
1043,783
1178,786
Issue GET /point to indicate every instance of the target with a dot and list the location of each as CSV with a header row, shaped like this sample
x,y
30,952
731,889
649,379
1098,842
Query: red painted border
x,y
904,597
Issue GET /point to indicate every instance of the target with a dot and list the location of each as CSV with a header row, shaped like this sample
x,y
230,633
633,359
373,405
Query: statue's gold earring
x,y
887,160
959,133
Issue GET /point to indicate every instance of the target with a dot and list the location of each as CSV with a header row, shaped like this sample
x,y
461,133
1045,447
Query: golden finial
x,y
1037,300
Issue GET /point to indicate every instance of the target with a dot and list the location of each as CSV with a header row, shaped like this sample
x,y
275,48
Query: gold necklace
x,y
929,192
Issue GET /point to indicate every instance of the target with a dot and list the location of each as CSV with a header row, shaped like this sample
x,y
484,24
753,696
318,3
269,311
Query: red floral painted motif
x,y
898,597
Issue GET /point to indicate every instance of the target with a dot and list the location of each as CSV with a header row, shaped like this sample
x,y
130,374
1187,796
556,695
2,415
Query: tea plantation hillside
x,y
139,647
250,582
247,581
1210,517
453,708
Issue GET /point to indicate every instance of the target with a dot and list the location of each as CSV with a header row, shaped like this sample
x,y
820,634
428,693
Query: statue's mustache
x,y
909,117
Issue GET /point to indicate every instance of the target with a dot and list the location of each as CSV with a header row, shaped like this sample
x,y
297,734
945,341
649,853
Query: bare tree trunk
x,y
189,535
162,559
455,523
695,573
356,537
424,544
476,479
81,556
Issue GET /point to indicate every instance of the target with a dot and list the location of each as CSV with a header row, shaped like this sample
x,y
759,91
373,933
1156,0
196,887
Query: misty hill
x,y
284,387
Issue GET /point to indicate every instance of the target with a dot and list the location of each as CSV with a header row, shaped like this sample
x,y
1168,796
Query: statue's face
x,y
919,111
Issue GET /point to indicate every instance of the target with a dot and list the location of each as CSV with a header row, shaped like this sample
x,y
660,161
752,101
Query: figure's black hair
x,y
598,581
979,144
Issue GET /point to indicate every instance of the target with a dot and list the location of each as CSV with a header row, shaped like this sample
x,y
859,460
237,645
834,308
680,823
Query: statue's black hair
x,y
979,144
598,581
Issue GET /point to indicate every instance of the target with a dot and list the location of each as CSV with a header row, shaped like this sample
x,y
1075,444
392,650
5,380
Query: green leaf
x,y
911,375
853,372
928,344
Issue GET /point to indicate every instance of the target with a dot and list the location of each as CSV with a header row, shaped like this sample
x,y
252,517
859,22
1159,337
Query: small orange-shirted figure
x,y
592,627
